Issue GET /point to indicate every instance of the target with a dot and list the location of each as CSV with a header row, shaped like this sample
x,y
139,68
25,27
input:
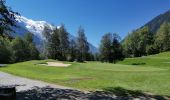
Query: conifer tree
x,y
82,45
110,48
64,42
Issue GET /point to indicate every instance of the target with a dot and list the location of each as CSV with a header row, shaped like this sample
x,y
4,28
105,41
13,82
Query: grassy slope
x,y
153,75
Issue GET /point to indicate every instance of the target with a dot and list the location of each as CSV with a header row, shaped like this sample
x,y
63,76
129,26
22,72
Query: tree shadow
x,y
139,63
119,91
48,93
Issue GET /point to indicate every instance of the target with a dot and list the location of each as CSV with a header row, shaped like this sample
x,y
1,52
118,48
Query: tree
x,y
7,19
47,36
20,50
33,52
136,43
54,45
72,51
64,42
24,49
82,45
110,48
162,38
116,48
5,50
90,56
105,48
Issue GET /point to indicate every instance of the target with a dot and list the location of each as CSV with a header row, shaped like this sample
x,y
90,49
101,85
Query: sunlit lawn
x,y
149,74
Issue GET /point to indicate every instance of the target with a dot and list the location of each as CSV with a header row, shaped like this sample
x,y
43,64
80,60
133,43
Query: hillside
x,y
157,60
155,23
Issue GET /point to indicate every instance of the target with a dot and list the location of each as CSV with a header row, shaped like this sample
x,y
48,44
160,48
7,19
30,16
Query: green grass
x,y
148,74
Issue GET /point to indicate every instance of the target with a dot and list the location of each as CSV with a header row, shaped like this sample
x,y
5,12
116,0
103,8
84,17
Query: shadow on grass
x,y
119,91
48,93
140,63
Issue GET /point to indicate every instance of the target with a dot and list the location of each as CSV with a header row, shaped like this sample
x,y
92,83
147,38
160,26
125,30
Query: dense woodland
x,y
58,45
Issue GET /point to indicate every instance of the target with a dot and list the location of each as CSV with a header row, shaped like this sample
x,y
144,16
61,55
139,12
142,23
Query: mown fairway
x,y
149,74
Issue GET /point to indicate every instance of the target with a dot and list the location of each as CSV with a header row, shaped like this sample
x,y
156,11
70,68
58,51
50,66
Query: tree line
x,y
58,44
143,42
18,49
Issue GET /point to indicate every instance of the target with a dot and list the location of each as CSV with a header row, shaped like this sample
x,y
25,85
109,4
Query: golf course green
x,y
148,74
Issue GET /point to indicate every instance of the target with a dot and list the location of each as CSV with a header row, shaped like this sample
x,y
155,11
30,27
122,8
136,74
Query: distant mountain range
x,y
155,23
25,25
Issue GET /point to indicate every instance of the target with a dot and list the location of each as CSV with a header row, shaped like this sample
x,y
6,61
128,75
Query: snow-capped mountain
x,y
25,25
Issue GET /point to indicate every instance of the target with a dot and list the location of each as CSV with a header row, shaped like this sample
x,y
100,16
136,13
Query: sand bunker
x,y
2,65
56,64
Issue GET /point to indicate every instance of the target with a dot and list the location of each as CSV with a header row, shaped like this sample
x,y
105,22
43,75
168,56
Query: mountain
x,y
25,25
155,23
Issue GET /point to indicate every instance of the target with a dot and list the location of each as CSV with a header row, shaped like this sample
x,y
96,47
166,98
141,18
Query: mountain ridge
x,y
157,21
25,25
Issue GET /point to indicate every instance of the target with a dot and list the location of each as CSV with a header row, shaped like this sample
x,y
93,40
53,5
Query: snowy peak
x,y
35,27
25,25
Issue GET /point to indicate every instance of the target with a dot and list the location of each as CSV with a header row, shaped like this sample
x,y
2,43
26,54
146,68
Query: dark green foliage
x,y
64,42
56,45
105,47
20,50
47,34
53,45
151,49
24,49
33,52
110,48
5,50
90,57
72,51
82,45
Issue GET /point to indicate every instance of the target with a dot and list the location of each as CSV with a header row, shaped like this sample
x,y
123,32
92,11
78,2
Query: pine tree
x,y
105,48
72,51
33,52
110,48
47,36
20,50
5,50
116,48
64,42
54,45
82,45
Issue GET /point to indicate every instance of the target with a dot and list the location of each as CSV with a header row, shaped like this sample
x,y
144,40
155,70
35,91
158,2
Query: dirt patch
x,y
56,64
73,80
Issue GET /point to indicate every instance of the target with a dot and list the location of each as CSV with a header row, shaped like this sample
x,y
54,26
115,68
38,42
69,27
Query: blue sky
x,y
96,16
